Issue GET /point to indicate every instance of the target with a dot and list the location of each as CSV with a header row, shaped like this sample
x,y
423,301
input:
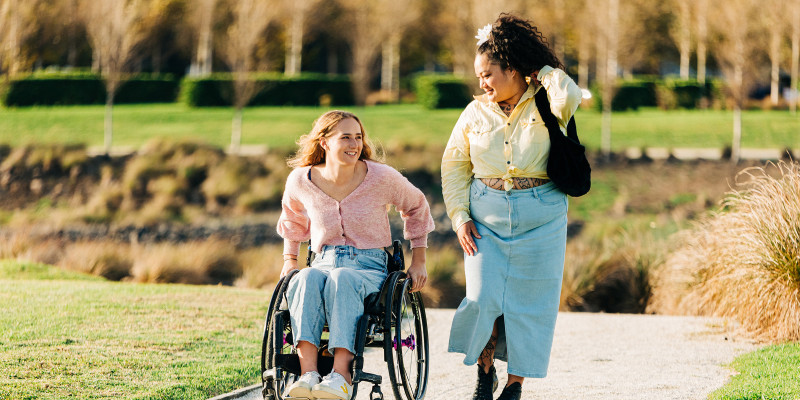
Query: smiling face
x,y
344,143
498,83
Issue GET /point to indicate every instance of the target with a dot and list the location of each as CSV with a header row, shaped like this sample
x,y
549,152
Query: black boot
x,y
511,392
486,385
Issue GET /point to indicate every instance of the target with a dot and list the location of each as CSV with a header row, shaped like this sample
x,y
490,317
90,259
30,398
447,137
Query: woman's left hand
x,y
417,272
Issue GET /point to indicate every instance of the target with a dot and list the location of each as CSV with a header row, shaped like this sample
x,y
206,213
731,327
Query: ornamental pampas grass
x,y
744,262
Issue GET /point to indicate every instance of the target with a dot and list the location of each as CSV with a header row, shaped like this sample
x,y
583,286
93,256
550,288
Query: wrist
x,y
287,257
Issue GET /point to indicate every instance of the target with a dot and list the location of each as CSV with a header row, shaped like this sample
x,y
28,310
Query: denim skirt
x,y
515,276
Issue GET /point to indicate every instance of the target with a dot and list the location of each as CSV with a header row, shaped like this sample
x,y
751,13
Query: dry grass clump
x,y
193,263
44,158
744,262
446,282
111,261
611,273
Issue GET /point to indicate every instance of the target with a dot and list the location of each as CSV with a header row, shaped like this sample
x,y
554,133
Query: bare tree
x,y
681,32
371,24
16,25
776,22
250,19
298,10
701,33
201,19
607,61
736,50
115,30
795,15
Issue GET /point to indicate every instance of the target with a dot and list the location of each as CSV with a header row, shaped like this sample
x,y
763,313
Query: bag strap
x,y
550,120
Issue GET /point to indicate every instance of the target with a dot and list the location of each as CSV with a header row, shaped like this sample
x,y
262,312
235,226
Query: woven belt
x,y
519,183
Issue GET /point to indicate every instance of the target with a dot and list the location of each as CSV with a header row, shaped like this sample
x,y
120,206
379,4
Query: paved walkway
x,y
599,356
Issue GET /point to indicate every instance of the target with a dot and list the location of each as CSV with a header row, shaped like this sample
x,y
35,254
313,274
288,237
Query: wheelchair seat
x,y
393,319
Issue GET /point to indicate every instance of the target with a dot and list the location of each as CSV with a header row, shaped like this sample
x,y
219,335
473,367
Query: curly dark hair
x,y
517,44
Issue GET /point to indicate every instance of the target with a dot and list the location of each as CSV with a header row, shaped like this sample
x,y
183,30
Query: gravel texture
x,y
598,356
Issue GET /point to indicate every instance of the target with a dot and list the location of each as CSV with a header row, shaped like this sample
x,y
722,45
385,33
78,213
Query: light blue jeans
x,y
333,290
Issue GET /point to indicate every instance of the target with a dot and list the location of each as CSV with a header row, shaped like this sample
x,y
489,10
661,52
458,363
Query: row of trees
x,y
748,41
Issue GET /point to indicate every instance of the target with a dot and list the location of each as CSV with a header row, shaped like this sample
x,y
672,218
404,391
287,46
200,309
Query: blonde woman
x,y
338,196
510,219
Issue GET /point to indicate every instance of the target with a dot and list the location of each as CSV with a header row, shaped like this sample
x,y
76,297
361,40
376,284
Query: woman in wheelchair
x,y
338,196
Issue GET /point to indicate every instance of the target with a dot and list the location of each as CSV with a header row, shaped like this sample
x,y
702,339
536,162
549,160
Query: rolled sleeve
x,y
457,173
562,92
294,226
414,210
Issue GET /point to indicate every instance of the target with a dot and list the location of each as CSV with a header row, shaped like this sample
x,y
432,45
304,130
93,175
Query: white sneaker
x,y
333,386
301,388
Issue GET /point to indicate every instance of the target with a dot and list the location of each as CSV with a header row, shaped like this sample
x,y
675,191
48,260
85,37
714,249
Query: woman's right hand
x,y
288,266
465,235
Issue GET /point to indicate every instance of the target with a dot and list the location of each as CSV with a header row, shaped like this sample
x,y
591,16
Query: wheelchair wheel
x,y
407,346
275,377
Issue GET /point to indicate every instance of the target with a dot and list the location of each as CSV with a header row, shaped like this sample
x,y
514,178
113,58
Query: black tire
x,y
282,378
406,343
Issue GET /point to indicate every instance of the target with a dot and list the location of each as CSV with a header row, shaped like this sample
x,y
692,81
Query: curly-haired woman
x,y
338,196
511,221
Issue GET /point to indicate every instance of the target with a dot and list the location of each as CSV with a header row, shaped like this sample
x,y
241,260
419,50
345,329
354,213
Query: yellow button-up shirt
x,y
486,143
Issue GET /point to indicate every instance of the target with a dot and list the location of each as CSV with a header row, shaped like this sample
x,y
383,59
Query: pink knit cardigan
x,y
360,219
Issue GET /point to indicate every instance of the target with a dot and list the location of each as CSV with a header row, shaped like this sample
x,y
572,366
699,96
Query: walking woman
x,y
338,196
511,221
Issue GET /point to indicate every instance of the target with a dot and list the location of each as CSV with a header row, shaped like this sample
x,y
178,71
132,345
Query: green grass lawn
x,y
771,373
281,126
67,335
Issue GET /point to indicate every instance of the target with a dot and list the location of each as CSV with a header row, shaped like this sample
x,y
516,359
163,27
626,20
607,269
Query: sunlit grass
x,y
95,339
770,373
406,123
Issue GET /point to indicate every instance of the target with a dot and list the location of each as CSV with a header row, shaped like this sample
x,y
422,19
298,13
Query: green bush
x,y
630,95
441,91
47,89
272,90
687,94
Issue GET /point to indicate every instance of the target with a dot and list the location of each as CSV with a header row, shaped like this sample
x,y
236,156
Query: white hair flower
x,y
483,34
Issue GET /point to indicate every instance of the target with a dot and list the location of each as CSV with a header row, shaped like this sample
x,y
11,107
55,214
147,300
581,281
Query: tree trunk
x,y
205,51
684,38
774,56
390,67
795,56
295,44
583,60
702,36
108,122
236,131
737,134
610,75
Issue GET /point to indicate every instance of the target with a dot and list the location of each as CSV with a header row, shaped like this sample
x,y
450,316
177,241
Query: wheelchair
x,y
393,320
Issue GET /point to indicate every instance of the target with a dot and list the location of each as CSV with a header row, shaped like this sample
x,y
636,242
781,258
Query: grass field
x,y
408,123
68,335
770,373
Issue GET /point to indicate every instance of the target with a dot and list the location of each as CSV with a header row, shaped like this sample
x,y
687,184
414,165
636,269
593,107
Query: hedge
x,y
85,88
273,90
664,93
441,91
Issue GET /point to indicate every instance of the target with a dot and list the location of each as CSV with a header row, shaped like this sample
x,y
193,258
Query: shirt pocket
x,y
480,137
533,129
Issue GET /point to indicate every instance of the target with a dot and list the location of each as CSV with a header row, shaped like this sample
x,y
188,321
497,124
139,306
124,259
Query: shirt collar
x,y
529,93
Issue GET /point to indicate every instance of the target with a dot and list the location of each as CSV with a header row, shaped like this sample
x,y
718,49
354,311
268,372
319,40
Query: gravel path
x,y
599,356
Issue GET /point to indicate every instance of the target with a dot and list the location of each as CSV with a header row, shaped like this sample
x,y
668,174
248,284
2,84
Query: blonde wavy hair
x,y
311,151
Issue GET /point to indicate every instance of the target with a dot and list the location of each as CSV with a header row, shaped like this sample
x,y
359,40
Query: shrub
x,y
86,88
612,274
441,91
109,260
744,261
629,95
273,90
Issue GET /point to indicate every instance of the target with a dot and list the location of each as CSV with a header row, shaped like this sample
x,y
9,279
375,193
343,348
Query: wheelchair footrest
x,y
376,393
361,376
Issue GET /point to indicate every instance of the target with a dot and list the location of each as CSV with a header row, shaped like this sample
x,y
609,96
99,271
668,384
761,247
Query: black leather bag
x,y
567,165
